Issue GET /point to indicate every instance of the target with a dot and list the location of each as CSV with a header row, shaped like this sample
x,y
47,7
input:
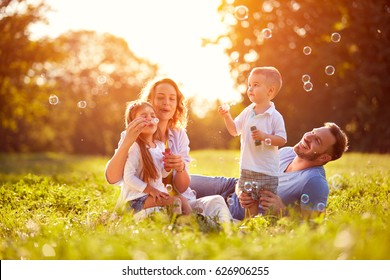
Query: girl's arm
x,y
115,166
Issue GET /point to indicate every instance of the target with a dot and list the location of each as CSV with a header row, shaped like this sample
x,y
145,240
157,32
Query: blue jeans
x,y
211,185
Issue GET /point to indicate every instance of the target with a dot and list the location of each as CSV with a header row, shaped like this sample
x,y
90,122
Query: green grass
x,y
60,207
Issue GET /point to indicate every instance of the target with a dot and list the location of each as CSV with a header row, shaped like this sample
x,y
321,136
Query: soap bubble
x,y
335,37
305,78
53,99
321,207
329,70
82,104
308,86
230,201
241,12
307,50
267,33
267,142
305,198
169,187
248,187
155,120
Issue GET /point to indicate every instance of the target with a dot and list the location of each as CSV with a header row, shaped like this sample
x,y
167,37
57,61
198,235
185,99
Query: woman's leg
x,y
212,206
211,185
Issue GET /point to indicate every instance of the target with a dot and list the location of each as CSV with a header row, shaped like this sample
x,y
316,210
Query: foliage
x,y
354,96
55,206
98,70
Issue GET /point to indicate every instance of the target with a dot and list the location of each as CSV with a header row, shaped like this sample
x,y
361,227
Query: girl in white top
x,y
170,108
144,168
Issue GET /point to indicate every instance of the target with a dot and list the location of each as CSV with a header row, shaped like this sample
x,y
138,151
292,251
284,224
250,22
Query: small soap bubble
x,y
335,37
241,12
82,104
169,187
329,70
255,186
321,207
53,99
155,120
267,142
230,201
307,50
305,198
248,187
267,33
102,79
305,78
226,107
308,86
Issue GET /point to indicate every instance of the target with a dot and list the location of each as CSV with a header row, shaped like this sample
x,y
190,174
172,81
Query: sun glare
x,y
168,33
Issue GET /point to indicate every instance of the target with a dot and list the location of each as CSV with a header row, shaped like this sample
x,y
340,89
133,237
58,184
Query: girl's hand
x,y
271,202
172,161
135,128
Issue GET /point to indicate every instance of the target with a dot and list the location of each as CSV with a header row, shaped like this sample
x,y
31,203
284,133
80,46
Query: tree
x,y
21,95
353,96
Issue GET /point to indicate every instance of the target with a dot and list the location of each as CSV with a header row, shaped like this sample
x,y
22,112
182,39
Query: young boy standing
x,y
262,131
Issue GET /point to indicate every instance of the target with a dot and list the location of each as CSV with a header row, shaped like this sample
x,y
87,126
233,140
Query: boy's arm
x,y
229,122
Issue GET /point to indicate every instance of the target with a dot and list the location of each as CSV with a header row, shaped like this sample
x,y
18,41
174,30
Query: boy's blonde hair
x,y
272,76
148,171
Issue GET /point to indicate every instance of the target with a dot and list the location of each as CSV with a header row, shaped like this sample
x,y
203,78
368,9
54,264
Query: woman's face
x,y
165,101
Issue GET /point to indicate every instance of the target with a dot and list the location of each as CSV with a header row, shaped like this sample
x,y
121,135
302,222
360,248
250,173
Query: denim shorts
x,y
137,204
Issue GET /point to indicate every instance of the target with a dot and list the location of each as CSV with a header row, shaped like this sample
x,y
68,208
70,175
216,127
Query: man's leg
x,y
212,185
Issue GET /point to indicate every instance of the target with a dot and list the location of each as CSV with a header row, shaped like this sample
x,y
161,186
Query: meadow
x,y
55,206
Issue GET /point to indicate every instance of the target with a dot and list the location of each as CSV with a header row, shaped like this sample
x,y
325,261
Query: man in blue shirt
x,y
302,179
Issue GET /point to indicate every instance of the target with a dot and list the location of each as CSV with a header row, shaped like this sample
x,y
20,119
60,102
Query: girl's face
x,y
148,113
165,101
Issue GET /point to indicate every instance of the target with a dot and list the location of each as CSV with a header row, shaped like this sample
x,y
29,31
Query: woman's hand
x,y
271,202
157,195
172,161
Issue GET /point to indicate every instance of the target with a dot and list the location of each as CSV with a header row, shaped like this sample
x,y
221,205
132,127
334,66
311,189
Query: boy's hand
x,y
223,112
258,135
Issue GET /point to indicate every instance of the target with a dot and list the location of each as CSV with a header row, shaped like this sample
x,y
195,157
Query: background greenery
x,y
55,206
102,70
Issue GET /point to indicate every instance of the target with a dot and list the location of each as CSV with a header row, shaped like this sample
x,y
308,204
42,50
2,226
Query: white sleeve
x,y
184,148
132,170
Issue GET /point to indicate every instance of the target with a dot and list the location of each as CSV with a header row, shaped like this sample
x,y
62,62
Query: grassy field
x,y
60,207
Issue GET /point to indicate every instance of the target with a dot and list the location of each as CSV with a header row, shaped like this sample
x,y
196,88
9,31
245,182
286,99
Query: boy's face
x,y
258,90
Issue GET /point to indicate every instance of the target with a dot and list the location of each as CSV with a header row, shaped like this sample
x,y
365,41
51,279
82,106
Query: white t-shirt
x,y
261,158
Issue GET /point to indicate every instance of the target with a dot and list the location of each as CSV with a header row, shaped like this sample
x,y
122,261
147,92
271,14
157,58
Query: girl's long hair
x,y
180,117
148,169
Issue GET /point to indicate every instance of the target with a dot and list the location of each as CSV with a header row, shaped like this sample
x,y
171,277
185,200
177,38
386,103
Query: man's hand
x,y
271,202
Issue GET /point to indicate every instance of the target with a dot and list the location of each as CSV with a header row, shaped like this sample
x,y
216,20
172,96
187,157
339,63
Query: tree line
x,y
68,94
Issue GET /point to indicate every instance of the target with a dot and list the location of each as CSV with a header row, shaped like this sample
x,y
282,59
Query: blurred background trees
x,y
88,77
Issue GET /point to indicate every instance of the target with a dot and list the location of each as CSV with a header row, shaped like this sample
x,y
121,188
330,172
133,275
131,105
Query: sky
x,y
167,32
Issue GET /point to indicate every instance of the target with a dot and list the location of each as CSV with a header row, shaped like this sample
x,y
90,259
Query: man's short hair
x,y
341,144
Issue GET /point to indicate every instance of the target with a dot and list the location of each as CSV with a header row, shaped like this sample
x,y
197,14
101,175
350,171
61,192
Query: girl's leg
x,y
209,185
171,201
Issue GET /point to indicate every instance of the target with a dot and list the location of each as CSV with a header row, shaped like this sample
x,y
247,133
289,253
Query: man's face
x,y
315,143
